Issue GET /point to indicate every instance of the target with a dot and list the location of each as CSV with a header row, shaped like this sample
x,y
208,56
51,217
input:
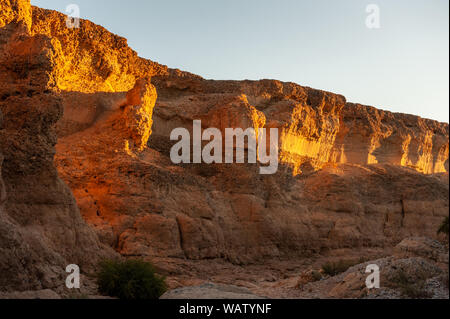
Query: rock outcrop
x,y
317,127
350,176
370,136
41,229
211,291
35,294
322,197
145,205
90,59
421,273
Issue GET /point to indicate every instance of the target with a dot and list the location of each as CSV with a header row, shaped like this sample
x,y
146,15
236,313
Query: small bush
x,y
131,279
414,289
335,268
443,229
316,275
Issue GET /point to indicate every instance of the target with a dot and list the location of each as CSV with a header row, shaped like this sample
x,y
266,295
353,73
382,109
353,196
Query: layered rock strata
x,y
349,175
41,229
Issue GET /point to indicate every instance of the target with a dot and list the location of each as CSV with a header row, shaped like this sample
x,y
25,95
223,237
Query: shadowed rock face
x,y
349,175
41,230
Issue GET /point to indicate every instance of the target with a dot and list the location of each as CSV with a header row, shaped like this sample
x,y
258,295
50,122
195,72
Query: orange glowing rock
x,y
350,175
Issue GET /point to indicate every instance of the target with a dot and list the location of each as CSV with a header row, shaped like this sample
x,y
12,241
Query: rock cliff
x,y
41,229
350,176
341,183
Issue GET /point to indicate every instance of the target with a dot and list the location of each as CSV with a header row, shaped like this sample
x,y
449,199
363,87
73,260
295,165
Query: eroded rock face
x,y
211,291
17,12
351,284
419,269
41,230
349,175
145,205
423,247
91,59
368,136
316,127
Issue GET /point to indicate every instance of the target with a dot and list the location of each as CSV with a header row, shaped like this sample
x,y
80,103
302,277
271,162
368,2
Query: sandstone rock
x,y
139,111
423,247
368,135
328,193
15,12
215,211
90,59
349,176
210,291
317,127
308,276
38,294
352,283
41,230
223,211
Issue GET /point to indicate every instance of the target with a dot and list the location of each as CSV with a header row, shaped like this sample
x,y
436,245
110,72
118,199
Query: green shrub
x,y
131,279
443,229
408,287
335,268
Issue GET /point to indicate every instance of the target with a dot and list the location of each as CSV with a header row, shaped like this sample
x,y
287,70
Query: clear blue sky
x,y
325,44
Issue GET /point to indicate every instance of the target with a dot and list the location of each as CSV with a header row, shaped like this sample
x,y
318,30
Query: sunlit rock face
x,y
41,229
349,175
309,136
368,136
317,128
91,59
327,194
17,12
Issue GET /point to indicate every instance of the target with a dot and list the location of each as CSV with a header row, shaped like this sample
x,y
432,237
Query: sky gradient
x,y
324,44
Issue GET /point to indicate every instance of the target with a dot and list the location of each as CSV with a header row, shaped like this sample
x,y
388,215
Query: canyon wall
x,y
90,59
318,127
349,175
323,196
368,135
41,229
